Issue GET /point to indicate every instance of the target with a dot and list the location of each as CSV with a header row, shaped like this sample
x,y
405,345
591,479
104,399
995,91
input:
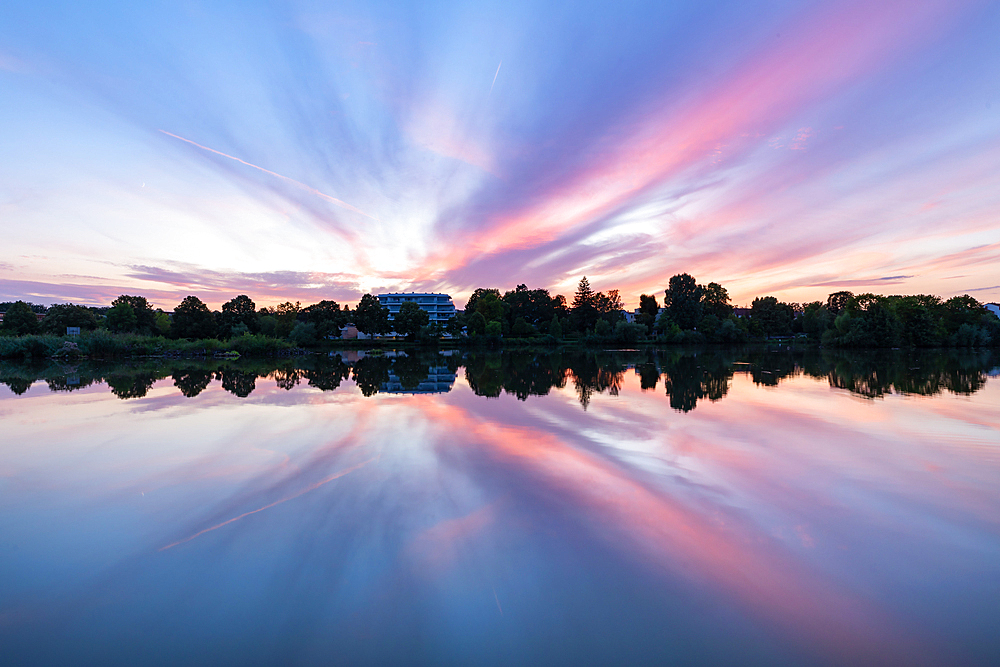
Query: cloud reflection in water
x,y
789,522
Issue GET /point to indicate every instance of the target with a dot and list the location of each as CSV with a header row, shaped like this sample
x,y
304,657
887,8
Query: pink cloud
x,y
828,47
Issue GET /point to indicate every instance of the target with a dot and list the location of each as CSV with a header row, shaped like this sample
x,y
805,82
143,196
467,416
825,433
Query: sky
x,y
307,150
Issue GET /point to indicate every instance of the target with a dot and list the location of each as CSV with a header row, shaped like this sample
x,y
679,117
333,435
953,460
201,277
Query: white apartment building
x,y
439,307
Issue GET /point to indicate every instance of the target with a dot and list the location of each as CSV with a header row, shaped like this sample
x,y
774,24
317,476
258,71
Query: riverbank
x,y
102,344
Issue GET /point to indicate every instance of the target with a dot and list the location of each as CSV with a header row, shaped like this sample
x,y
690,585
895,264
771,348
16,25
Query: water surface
x,y
613,507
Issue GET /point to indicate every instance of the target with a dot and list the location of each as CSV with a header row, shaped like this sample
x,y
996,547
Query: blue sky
x,y
317,150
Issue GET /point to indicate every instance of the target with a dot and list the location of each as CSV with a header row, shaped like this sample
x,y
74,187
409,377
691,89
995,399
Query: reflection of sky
x,y
795,521
792,149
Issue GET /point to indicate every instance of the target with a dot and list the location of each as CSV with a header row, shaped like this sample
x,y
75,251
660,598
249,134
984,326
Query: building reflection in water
x,y
439,380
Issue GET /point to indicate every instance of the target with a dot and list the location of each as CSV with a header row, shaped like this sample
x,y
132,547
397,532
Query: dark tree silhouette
x,y
192,319
370,317
682,300
240,310
20,319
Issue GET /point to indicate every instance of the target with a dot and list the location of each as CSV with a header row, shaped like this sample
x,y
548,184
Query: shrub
x,y
257,345
303,333
629,332
32,346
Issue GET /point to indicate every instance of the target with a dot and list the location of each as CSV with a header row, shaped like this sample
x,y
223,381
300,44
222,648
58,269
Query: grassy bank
x,y
105,345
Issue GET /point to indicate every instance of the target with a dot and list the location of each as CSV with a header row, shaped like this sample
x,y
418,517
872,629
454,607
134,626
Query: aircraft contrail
x,y
305,187
495,78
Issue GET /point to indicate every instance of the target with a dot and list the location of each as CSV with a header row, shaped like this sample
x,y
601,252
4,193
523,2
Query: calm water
x,y
774,507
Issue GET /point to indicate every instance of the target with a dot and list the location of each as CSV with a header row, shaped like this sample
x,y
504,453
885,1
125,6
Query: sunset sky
x,y
320,150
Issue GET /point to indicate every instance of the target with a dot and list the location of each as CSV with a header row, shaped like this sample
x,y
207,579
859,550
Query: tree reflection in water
x,y
688,375
192,381
370,372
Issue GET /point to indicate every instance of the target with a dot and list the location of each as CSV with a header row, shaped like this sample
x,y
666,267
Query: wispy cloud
x,y
638,153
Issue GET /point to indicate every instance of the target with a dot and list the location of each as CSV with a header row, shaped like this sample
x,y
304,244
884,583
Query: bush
x,y
522,329
303,333
20,319
969,335
555,328
30,347
257,345
729,332
629,332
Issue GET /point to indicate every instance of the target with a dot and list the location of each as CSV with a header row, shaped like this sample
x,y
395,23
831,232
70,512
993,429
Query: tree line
x,y
693,313
690,313
192,319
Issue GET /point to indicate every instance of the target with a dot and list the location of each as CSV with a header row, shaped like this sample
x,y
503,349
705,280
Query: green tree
x,y
162,322
470,305
555,329
522,329
837,302
648,305
492,307
534,305
240,310
715,301
268,325
58,317
453,326
648,310
609,306
682,300
960,310
584,310
410,319
477,324
20,319
629,332
285,315
370,317
192,319
773,316
35,307
876,326
919,315
121,317
816,319
327,316
664,323
303,333
145,316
